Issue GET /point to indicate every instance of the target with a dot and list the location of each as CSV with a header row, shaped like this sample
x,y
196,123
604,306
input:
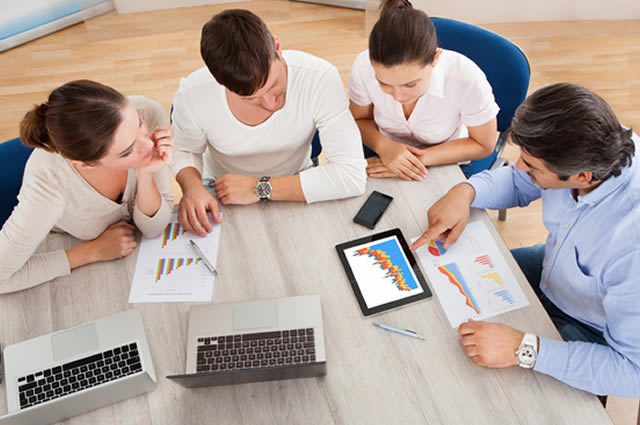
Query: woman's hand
x,y
398,159
163,149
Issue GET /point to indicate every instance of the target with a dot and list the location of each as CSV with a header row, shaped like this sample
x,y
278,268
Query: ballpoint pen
x,y
406,332
204,258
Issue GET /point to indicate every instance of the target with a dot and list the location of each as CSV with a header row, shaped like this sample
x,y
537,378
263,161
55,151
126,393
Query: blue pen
x,y
406,332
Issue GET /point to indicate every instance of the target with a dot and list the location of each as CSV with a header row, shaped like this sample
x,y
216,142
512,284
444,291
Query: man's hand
x,y
448,217
490,344
192,213
163,149
398,159
236,189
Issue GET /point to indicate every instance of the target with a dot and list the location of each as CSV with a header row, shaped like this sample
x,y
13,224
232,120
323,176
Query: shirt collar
x,y
608,186
436,83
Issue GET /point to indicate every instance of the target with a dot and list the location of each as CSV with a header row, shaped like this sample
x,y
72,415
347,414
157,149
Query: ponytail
x,y
402,35
33,129
389,4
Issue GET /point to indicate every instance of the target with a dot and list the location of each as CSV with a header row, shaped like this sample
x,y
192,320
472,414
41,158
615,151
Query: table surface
x,y
373,377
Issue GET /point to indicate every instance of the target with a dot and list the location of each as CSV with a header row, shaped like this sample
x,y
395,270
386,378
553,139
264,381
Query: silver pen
x,y
204,258
406,332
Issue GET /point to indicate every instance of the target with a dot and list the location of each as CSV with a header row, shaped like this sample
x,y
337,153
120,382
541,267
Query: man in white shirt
x,y
247,120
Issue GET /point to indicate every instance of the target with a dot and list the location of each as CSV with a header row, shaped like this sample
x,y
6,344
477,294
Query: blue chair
x,y
13,157
506,68
316,148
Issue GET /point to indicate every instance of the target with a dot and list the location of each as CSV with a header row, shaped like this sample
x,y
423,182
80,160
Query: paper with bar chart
x,y
169,269
471,278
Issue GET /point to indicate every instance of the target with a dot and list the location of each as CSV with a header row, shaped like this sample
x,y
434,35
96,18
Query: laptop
x,y
256,341
70,372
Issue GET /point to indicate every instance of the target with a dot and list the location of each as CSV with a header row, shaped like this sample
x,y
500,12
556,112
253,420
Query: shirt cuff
x,y
553,357
480,186
184,160
153,226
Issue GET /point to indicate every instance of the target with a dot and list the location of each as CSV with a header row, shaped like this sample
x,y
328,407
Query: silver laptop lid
x,y
29,357
252,317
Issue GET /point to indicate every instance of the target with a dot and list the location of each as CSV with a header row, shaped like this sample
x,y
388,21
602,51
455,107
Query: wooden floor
x,y
147,53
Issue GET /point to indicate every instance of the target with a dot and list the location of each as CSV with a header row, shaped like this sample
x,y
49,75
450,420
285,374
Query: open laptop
x,y
70,372
254,341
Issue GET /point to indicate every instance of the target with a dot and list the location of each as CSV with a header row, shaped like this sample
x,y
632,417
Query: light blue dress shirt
x,y
591,271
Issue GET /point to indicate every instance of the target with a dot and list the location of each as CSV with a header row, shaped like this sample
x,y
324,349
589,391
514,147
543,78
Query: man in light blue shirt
x,y
576,156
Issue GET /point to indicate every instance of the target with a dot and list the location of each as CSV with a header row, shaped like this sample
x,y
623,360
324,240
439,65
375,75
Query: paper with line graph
x,y
471,278
169,270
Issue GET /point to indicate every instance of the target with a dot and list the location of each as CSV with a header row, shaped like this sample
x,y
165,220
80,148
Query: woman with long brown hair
x,y
418,105
99,171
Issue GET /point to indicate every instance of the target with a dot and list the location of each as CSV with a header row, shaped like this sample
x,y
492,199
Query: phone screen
x,y
372,209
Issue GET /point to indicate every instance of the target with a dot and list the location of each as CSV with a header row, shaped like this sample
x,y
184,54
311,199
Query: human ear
x,y
436,57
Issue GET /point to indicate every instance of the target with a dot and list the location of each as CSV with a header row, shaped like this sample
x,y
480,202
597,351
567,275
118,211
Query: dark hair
x,y
572,130
402,35
237,47
78,121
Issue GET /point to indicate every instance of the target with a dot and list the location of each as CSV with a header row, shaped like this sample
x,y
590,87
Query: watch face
x,y
263,190
527,355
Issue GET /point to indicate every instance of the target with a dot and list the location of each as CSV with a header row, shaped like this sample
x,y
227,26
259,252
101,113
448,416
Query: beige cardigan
x,y
54,197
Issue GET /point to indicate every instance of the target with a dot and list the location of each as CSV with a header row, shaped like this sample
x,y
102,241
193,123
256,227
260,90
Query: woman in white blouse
x,y
409,97
97,174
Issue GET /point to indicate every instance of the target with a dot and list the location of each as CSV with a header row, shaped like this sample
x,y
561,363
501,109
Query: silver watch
x,y
527,351
263,189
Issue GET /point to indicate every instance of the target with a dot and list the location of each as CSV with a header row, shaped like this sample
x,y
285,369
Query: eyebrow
x,y
134,142
403,84
528,165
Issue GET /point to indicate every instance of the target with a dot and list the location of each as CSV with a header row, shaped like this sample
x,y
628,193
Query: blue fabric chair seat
x,y
13,157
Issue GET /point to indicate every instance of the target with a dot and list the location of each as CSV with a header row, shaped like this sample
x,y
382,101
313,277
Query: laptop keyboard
x,y
78,375
256,350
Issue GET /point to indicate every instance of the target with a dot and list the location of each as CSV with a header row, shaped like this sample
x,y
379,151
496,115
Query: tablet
x,y
383,272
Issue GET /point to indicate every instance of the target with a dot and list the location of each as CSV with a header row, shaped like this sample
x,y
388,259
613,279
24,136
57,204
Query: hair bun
x,y
33,129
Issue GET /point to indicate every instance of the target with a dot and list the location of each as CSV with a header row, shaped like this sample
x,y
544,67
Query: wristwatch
x,y
263,189
527,351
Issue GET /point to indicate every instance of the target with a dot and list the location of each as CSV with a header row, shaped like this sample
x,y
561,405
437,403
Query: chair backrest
x,y
504,64
13,157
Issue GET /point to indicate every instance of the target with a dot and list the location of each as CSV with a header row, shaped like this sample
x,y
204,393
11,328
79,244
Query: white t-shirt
x,y
281,146
458,96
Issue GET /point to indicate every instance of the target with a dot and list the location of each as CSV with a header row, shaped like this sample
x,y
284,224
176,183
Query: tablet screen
x,y
382,271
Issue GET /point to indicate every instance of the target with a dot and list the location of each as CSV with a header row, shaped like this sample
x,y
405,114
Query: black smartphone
x,y
372,209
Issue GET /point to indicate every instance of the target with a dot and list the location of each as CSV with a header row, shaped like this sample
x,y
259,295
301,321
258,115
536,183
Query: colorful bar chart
x,y
171,233
505,295
495,277
167,265
485,260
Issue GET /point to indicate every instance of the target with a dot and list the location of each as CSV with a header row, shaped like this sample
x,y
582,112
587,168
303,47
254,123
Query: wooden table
x,y
373,376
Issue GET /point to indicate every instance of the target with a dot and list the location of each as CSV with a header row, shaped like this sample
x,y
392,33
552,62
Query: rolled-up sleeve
x,y
504,187
190,139
344,175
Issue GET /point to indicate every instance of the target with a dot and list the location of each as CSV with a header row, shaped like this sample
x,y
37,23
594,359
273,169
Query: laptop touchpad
x,y
74,341
255,315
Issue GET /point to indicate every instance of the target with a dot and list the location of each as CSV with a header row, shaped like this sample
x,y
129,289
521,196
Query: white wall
x,y
493,11
131,6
